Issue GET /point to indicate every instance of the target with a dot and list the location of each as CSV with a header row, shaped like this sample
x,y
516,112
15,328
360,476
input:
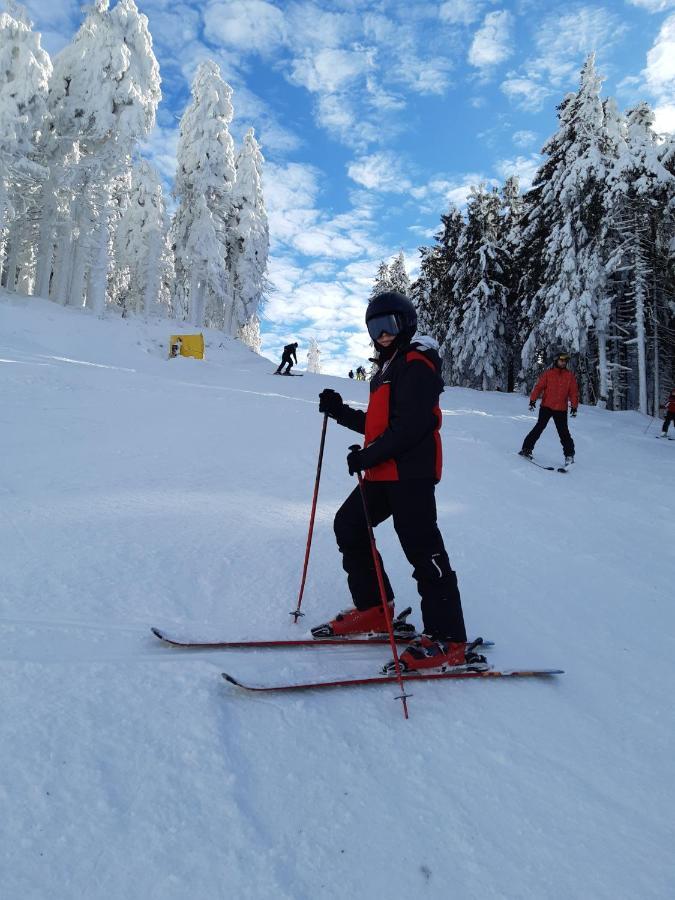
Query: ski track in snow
x,y
141,491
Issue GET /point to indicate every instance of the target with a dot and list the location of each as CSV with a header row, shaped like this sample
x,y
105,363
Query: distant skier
x,y
287,357
670,414
351,373
557,386
361,373
402,465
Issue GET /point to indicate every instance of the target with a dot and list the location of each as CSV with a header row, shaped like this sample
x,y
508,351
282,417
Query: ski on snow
x,y
392,679
377,639
547,468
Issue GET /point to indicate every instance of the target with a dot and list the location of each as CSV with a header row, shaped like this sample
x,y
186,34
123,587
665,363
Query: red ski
x,y
392,679
376,639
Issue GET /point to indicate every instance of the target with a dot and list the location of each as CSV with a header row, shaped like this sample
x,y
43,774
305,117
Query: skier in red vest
x,y
401,460
670,414
557,387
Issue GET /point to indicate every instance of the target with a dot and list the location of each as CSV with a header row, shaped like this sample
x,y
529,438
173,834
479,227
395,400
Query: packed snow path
x,y
140,491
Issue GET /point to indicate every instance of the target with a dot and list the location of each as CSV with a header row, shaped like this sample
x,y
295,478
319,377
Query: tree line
x,y
583,261
84,219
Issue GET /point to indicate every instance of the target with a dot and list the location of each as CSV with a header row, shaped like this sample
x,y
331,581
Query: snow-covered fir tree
x,y
314,357
248,239
203,188
568,191
433,291
141,242
382,281
398,276
479,345
25,69
103,97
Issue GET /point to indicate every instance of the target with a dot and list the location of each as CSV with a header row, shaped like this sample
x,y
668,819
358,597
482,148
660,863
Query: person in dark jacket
x,y
557,387
670,413
287,358
402,463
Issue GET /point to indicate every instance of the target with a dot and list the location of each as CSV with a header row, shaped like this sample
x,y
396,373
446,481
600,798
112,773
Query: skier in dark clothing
x,y
670,414
557,386
402,464
287,358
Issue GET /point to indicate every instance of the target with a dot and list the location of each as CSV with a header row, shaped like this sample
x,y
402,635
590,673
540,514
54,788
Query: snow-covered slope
x,y
138,491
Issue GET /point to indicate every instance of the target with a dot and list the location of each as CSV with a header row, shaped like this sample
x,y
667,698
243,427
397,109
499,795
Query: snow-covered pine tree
x,y
433,291
247,239
25,69
479,346
314,357
103,97
641,217
203,188
398,277
140,242
382,281
565,228
512,213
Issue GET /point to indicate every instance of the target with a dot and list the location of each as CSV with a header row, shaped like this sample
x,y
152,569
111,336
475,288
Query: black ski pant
x,y
560,418
412,504
285,361
670,417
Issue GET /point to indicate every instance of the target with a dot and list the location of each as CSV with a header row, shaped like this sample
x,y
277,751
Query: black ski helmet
x,y
397,305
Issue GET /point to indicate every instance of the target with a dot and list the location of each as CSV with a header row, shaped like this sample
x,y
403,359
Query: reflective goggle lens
x,y
379,324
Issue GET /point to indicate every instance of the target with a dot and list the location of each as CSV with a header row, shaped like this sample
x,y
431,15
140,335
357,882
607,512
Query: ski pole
x,y
403,697
296,612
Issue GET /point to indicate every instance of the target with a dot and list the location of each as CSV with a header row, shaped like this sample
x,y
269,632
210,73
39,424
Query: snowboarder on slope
x,y
402,464
287,358
557,386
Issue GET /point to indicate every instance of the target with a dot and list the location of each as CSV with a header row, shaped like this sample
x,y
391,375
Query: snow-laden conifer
x,y
103,97
314,357
568,195
382,281
140,241
398,276
248,238
25,69
479,345
203,188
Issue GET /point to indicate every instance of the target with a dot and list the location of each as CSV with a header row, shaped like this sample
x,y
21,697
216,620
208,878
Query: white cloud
x,y
331,70
524,138
460,12
251,26
438,192
664,118
660,71
527,93
653,6
492,42
525,167
562,40
379,172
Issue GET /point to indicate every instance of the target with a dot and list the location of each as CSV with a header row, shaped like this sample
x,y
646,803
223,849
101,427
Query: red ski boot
x,y
427,653
369,621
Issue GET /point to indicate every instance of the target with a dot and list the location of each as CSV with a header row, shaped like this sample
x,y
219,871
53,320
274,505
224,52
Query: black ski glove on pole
x,y
354,463
532,406
330,403
573,412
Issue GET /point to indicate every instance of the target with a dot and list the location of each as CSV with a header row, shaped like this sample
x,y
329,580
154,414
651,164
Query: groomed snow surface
x,y
137,490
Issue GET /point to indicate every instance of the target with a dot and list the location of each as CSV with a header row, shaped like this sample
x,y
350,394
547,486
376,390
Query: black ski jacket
x,y
403,419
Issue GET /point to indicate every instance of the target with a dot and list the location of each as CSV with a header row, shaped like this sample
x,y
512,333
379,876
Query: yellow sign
x,y
187,345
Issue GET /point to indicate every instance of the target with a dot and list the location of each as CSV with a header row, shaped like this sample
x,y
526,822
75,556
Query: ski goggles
x,y
563,358
388,323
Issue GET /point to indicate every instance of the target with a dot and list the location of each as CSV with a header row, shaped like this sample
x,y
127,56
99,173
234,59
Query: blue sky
x,y
374,115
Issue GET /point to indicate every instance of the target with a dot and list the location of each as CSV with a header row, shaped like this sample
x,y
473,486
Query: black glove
x,y
354,463
330,403
573,412
532,406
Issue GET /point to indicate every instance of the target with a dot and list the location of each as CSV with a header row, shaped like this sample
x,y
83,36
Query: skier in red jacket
x,y
557,386
670,413
402,464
